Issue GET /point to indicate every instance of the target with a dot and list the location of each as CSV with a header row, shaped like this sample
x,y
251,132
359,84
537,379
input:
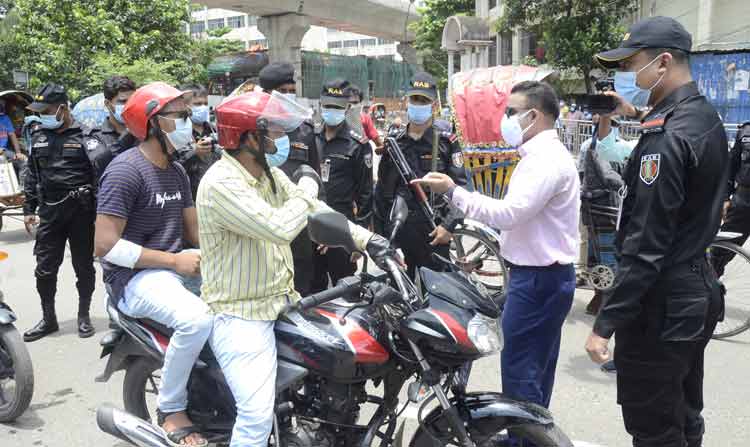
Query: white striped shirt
x,y
245,232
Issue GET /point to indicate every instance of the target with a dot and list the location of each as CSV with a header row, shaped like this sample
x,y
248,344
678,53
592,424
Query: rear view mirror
x,y
331,229
399,214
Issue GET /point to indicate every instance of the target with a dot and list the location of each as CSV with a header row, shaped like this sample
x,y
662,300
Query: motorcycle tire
x,y
549,435
12,343
134,387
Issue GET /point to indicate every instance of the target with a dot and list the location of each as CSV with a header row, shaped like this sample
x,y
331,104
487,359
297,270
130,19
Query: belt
x,y
554,266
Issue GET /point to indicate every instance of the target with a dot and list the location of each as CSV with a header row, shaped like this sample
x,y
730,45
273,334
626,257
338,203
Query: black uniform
x,y
60,183
111,144
194,165
413,238
303,150
738,216
666,300
346,170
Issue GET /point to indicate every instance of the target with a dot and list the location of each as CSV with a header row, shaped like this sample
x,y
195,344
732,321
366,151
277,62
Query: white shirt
x,y
538,218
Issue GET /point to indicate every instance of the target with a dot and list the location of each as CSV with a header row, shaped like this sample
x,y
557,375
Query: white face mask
x,y
511,131
182,135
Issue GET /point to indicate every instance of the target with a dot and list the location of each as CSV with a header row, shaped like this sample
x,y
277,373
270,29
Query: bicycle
x,y
734,276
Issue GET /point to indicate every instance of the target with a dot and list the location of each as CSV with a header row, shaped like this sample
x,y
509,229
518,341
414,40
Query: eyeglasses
x,y
183,115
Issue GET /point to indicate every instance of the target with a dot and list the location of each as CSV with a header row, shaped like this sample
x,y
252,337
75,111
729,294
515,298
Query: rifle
x,y
407,175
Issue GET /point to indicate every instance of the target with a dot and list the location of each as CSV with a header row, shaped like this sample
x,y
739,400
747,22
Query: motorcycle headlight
x,y
484,332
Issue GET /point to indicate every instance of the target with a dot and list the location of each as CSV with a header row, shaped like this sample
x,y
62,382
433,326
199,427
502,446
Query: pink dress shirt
x,y
538,217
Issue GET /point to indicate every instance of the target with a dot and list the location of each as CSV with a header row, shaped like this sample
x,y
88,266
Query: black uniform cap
x,y
49,94
336,93
276,74
652,32
422,84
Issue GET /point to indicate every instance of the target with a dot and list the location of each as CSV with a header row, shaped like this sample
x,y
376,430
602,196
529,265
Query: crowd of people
x,y
199,225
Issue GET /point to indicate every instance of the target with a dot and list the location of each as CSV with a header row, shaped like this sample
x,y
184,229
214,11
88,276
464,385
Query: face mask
x,y
511,131
333,117
419,114
200,114
182,135
282,152
290,96
626,85
50,121
118,113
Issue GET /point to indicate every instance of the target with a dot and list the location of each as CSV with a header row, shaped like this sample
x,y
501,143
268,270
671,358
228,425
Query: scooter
x,y
371,328
16,371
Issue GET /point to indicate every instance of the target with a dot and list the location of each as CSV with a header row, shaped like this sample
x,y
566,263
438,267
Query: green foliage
x,y
571,31
429,31
81,43
218,32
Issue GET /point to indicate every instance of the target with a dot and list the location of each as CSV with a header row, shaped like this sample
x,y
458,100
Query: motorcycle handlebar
x,y
345,288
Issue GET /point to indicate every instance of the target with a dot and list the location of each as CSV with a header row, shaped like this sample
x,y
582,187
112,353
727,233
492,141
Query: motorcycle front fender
x,y
485,414
7,316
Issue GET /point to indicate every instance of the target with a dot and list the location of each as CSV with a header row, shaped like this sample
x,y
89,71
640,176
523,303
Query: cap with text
x,y
49,94
422,84
652,32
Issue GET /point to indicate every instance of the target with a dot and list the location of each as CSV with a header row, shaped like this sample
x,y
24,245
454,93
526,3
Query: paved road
x,y
66,396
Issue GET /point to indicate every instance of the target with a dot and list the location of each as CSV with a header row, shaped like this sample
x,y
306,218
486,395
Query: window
x,y
368,42
252,21
506,48
492,57
492,4
236,22
215,23
197,27
351,43
335,44
384,41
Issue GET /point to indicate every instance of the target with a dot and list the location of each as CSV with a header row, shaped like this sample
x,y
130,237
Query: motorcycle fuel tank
x,y
317,340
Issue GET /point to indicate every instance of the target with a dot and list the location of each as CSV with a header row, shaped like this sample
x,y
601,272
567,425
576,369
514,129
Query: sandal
x,y
174,438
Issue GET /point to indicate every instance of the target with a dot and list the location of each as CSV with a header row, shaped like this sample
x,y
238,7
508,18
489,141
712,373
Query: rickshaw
x,y
11,194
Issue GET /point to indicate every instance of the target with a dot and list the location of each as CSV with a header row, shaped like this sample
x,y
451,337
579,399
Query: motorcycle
x,y
16,370
379,328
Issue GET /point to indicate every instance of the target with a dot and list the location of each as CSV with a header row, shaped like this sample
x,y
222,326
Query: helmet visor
x,y
284,115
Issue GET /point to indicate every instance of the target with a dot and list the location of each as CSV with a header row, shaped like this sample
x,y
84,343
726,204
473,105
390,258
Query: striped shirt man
x,y
245,232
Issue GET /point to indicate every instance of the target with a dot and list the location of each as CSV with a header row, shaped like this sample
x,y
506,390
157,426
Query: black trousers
x,y
414,240
660,358
737,221
72,221
303,254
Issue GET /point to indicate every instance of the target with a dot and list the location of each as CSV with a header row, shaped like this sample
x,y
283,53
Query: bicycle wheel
x,y
736,280
476,253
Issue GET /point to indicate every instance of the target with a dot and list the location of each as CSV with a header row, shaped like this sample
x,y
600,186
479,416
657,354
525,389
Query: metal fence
x,y
574,132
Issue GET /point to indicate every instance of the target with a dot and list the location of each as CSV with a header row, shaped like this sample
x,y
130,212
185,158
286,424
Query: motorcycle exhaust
x,y
129,428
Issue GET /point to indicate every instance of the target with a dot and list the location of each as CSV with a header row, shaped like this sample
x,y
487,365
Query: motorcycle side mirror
x,y
331,229
399,214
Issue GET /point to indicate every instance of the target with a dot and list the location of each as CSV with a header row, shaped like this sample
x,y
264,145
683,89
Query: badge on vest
x,y
325,170
655,125
91,145
650,168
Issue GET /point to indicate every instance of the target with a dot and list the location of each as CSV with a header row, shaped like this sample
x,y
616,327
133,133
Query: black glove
x,y
379,250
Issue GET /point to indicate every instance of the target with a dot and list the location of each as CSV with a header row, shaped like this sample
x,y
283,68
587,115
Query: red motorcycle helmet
x,y
256,110
146,102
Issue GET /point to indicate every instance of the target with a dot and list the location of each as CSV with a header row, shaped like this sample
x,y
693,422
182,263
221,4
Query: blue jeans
x,y
163,296
539,299
246,352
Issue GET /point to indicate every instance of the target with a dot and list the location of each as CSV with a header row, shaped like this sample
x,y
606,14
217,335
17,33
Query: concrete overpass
x,y
285,22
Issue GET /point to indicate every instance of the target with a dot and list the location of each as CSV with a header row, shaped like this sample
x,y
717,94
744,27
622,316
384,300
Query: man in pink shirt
x,y
372,134
539,239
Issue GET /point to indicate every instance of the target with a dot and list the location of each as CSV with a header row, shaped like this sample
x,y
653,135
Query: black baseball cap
x,y
652,32
335,93
49,94
422,84
276,74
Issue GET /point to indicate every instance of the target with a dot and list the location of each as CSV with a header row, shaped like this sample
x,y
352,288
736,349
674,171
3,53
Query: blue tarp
x,y
725,80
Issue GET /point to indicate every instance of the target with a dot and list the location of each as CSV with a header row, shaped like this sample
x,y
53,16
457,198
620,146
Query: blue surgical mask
x,y
182,135
200,114
282,152
118,113
419,114
626,85
333,117
50,121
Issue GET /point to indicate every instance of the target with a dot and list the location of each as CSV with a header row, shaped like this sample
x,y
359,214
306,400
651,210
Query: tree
x,y
429,31
572,31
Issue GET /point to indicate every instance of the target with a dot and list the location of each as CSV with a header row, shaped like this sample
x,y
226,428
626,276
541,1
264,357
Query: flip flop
x,y
174,438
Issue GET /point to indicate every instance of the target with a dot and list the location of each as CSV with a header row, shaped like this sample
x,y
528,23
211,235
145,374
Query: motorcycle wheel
x,y
141,379
528,434
15,402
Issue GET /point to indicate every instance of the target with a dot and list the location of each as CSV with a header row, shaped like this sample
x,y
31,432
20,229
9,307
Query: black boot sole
x,y
86,334
35,337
